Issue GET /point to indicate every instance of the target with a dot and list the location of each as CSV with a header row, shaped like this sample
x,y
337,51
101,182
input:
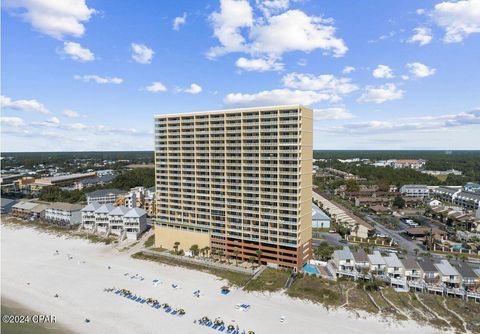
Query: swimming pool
x,y
311,269
457,247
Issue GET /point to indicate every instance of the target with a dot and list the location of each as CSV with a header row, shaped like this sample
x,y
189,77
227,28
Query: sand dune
x,y
28,257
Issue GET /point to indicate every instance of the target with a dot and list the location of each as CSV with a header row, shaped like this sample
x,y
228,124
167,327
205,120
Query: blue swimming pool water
x,y
311,269
458,247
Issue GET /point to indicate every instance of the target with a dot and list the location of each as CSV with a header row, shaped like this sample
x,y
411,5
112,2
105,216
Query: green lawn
x,y
150,241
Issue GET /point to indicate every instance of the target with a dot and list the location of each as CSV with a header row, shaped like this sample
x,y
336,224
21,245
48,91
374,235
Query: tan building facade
x,y
236,180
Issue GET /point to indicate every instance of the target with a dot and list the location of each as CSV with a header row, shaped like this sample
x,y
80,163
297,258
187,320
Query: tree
x,y
352,186
236,251
175,246
324,251
259,256
383,185
220,254
399,202
194,249
207,250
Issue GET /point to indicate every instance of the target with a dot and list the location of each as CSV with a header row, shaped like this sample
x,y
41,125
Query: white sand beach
x,y
32,275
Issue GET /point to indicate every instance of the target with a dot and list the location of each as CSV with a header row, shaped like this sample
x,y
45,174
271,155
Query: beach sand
x,y
32,275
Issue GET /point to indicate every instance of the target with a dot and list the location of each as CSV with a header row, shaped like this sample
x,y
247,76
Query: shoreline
x,y
80,284
11,307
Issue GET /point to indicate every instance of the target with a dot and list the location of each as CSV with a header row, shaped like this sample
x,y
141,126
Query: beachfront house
x,y
430,273
394,266
28,210
360,257
63,213
470,279
88,215
343,259
115,219
377,263
135,222
448,274
102,218
413,272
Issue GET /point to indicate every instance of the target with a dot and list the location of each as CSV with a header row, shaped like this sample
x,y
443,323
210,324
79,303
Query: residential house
x,y
135,222
448,274
115,219
394,267
64,213
343,259
423,232
362,263
24,210
470,279
413,272
430,272
88,215
377,263
102,218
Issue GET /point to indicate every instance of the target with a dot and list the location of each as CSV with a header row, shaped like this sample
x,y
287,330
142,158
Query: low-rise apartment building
x,y
414,190
319,218
104,196
64,213
28,210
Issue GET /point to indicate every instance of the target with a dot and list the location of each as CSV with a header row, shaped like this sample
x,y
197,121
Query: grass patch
x,y
434,303
269,280
234,278
150,241
468,310
330,294
358,300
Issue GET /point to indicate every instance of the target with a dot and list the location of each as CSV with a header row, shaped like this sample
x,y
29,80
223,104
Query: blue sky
x,y
89,75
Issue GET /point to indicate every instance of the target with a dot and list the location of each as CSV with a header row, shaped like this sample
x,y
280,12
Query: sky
x,y
89,75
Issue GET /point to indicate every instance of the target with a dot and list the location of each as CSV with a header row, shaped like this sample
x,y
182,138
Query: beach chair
x,y
221,328
117,292
142,301
173,312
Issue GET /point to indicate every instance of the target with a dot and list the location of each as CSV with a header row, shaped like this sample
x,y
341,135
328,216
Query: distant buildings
x,y
104,196
414,190
117,220
410,163
7,205
467,198
442,172
94,181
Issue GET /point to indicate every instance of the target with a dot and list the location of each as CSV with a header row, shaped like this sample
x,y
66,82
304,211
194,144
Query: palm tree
x,y
251,259
175,246
357,226
221,253
259,256
194,249
207,250
236,251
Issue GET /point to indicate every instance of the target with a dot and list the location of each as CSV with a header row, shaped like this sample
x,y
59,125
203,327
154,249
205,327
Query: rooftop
x,y
427,265
376,258
235,110
135,213
65,206
318,214
104,192
446,269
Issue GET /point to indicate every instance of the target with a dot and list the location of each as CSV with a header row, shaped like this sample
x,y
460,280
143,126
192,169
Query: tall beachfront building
x,y
237,181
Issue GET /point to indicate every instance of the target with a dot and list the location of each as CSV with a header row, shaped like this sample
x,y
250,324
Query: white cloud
x,y
52,122
272,35
381,94
413,123
76,126
383,71
70,113
348,69
422,36
334,113
233,15
15,122
156,87
56,18
420,70
193,89
179,21
278,97
77,52
326,83
269,7
98,79
296,31
459,19
141,53
259,64
23,105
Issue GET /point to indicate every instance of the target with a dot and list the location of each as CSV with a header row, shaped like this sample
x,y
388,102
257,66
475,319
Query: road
x,y
406,244
331,238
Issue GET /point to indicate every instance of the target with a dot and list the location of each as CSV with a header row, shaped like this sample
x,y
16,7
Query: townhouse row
x,y
117,220
57,212
407,271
